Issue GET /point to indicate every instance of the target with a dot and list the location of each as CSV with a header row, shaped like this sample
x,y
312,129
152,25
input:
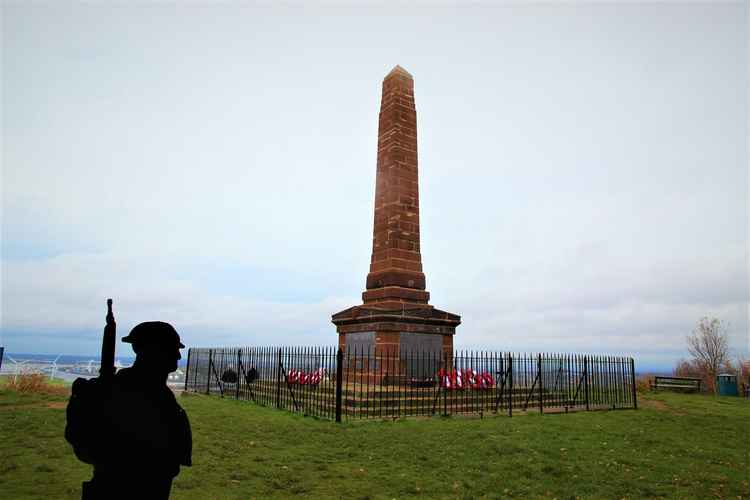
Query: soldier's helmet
x,y
154,333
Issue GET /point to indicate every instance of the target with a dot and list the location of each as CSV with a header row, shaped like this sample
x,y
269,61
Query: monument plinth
x,y
395,314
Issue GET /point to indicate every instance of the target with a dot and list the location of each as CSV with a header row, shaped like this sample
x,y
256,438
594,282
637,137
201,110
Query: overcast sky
x,y
583,171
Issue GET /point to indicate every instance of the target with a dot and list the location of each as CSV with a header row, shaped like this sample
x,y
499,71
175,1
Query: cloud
x,y
65,293
628,311
583,178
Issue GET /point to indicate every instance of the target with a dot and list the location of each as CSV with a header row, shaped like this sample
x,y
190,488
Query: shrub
x,y
643,383
34,383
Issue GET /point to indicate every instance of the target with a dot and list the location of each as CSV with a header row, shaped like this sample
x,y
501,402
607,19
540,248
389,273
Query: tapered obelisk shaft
x,y
396,265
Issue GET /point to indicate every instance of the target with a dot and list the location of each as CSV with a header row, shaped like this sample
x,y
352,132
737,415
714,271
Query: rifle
x,y
107,369
86,400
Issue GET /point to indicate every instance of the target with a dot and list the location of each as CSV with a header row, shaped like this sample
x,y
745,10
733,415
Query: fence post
x,y
339,382
445,388
187,369
210,367
239,379
278,381
586,379
632,383
510,393
539,370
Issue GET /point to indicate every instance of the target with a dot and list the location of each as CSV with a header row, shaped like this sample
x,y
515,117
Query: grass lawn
x,y
678,446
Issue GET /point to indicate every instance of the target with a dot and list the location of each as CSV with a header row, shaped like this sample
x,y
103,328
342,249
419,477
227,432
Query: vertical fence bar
x,y
208,372
623,396
593,373
237,371
315,364
187,368
287,357
278,380
263,375
616,385
272,368
379,368
595,368
510,392
625,381
500,386
260,384
270,375
539,370
613,384
333,365
586,379
339,382
607,379
356,394
570,383
445,388
612,389
617,389
401,382
354,387
615,379
328,407
260,356
632,383
608,384
622,384
303,366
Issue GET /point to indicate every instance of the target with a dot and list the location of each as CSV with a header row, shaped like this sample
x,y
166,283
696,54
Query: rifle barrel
x,y
107,369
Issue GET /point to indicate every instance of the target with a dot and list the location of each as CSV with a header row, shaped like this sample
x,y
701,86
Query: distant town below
x,y
68,367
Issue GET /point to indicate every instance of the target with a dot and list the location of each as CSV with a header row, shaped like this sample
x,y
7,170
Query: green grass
x,y
678,446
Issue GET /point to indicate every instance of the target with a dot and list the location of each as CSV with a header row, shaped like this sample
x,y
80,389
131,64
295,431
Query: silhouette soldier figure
x,y
130,426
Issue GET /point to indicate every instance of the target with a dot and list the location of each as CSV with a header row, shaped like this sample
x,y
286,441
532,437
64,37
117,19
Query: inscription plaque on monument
x,y
361,342
424,352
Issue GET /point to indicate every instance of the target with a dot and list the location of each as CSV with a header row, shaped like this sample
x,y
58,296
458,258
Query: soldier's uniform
x,y
132,431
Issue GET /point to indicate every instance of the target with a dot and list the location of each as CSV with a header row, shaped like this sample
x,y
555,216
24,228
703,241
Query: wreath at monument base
x,y
465,379
304,378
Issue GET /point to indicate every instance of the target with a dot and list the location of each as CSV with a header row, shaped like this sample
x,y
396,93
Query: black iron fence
x,y
329,383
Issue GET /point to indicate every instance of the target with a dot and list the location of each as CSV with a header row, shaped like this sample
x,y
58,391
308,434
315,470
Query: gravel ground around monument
x,y
674,446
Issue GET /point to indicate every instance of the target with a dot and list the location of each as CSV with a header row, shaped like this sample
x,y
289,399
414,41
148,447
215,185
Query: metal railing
x,y
355,384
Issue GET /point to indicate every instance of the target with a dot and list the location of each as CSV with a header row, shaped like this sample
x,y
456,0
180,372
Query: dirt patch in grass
x,y
655,404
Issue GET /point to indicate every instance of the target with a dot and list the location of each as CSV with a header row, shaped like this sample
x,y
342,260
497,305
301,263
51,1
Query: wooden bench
x,y
685,384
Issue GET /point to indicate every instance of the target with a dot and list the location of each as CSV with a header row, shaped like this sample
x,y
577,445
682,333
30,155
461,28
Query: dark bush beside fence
x,y
327,383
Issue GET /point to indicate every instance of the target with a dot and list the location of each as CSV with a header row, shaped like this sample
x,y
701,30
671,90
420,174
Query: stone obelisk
x,y
395,314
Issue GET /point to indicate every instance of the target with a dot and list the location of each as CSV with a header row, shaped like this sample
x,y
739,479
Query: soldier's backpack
x,y
81,427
